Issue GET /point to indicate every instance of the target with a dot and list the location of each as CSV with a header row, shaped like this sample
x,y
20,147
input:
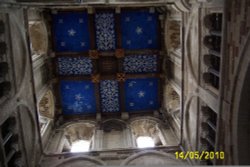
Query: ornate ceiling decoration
x,y
108,61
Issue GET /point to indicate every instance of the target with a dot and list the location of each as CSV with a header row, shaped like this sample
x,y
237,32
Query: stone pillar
x,y
133,139
66,144
161,135
98,140
56,142
127,139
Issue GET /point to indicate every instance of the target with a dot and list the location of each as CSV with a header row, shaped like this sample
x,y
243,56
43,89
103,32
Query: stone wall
x,y
110,134
20,142
125,157
234,104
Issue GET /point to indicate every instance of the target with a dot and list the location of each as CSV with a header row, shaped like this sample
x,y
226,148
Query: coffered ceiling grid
x,y
107,61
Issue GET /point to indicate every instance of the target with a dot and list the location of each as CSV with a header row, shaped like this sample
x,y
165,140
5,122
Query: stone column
x,y
56,142
128,139
98,140
161,135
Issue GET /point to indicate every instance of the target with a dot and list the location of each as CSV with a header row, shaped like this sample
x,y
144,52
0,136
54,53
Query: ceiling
x,y
107,61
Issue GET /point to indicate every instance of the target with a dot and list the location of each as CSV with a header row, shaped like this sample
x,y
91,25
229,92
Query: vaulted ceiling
x,y
107,60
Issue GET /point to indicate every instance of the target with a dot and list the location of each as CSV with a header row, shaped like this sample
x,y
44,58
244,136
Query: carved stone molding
x,y
47,106
143,158
183,5
95,78
79,131
174,38
79,160
121,77
144,127
38,37
93,54
119,53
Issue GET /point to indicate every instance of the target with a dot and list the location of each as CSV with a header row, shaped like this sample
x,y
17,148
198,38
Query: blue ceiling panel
x,y
109,92
141,94
105,31
140,64
71,31
139,29
74,65
78,97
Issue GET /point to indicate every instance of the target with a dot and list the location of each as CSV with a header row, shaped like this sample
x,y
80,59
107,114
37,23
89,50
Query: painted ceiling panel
x,y
78,97
71,31
141,94
139,29
74,65
140,64
105,31
109,91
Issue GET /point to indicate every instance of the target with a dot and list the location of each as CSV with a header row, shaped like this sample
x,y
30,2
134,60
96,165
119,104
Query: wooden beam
x,y
79,117
137,76
139,52
109,76
73,54
122,96
160,91
118,30
75,78
53,42
97,97
91,25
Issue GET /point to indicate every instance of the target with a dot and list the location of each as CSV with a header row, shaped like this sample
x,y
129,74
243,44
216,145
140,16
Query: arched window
x,y
208,128
80,146
78,137
147,133
213,21
212,41
145,141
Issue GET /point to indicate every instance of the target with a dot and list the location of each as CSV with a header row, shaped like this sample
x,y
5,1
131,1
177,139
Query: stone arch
x,y
115,124
72,132
70,123
148,126
28,130
75,132
191,29
19,128
182,5
79,161
144,127
115,133
79,131
151,158
21,52
187,124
